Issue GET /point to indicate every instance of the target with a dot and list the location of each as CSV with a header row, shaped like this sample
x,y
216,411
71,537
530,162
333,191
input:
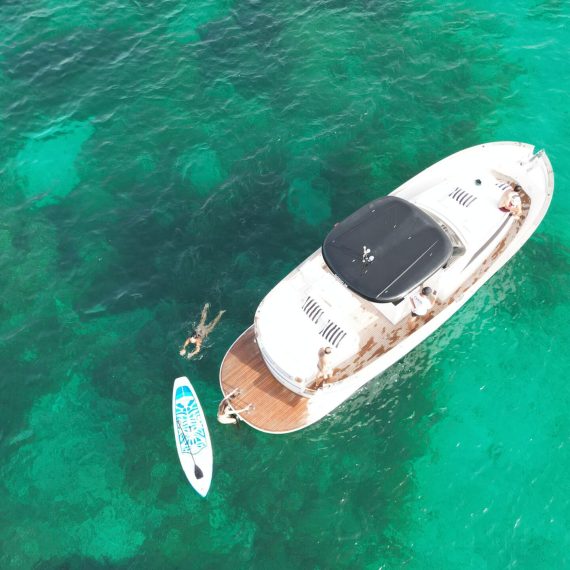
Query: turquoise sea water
x,y
158,154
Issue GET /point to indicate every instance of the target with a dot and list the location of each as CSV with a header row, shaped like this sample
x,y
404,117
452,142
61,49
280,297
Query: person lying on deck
x,y
511,202
201,332
324,369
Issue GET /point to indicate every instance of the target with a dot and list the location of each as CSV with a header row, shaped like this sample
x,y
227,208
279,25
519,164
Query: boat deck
x,y
276,409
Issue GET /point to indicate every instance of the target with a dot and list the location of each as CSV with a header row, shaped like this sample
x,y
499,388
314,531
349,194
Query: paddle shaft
x,y
197,470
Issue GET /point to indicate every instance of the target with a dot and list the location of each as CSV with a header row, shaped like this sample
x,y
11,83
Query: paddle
x,y
197,471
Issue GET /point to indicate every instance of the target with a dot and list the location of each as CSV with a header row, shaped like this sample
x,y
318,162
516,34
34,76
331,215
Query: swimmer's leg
x,y
211,326
204,315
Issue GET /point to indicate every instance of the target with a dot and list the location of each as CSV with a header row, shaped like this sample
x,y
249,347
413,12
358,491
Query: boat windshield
x,y
458,245
386,249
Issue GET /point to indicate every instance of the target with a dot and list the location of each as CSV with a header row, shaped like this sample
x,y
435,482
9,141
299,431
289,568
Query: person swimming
x,y
200,332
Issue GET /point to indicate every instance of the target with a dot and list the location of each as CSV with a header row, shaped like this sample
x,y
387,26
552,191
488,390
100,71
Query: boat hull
x,y
243,366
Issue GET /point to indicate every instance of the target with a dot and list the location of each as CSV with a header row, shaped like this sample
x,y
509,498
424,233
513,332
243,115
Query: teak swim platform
x,y
443,228
275,408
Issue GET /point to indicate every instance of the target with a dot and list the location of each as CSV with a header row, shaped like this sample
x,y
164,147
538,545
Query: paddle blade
x,y
198,472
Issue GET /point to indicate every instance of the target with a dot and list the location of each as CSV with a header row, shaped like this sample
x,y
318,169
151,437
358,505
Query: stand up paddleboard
x,y
192,437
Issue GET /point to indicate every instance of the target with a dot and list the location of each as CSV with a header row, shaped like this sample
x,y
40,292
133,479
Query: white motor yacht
x,y
384,279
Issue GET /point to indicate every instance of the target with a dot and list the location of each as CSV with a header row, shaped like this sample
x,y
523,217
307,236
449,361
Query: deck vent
x,y
462,197
312,309
503,186
332,333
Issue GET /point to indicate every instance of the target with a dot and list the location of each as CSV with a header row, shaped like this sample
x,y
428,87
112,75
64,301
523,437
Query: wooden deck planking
x,y
275,408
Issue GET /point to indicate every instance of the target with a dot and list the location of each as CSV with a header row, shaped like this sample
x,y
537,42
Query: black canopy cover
x,y
406,247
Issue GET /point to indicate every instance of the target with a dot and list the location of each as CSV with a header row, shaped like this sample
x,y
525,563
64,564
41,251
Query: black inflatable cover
x,y
406,247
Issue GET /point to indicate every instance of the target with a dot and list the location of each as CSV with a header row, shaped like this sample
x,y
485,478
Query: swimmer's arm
x,y
186,343
195,351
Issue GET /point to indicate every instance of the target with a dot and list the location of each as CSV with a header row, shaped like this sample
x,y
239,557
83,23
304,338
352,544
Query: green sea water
x,y
158,154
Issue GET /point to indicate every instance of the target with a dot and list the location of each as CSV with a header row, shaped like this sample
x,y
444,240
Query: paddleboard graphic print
x,y
192,437
191,433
